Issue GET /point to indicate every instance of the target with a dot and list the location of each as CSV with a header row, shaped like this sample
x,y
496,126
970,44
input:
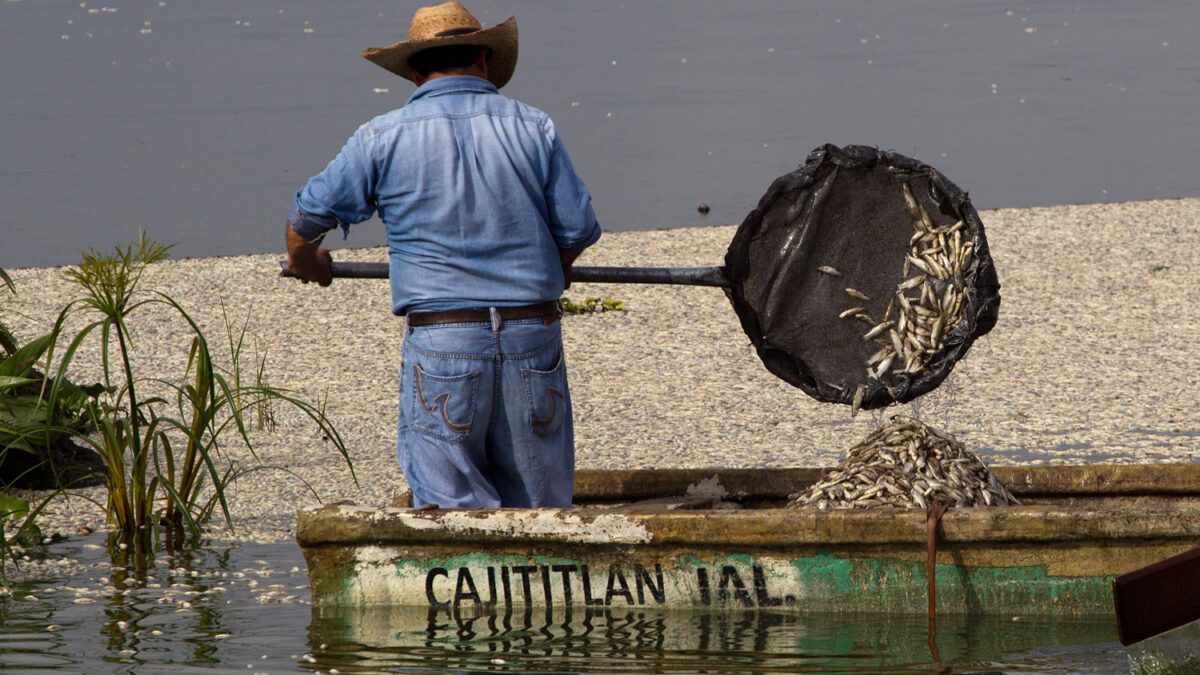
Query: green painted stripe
x,y
821,582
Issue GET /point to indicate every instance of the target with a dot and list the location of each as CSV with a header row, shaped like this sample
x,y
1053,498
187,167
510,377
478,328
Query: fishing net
x,y
862,277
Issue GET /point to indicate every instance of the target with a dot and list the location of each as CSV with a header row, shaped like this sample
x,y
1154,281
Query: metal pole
x,y
682,276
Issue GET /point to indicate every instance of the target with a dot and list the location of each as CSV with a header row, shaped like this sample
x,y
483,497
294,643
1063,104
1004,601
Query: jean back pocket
x,y
545,392
443,407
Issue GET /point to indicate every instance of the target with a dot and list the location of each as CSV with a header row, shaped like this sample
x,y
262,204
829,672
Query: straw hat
x,y
451,24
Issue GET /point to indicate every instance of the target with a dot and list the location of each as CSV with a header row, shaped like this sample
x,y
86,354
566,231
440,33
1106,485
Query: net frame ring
x,y
846,210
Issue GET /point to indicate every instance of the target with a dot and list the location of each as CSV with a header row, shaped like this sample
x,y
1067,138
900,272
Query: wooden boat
x,y
723,539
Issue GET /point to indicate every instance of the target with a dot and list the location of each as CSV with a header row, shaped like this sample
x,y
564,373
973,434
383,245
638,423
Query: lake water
x,y
246,609
197,120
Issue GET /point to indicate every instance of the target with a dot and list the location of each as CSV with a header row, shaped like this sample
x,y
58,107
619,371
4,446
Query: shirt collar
x,y
452,84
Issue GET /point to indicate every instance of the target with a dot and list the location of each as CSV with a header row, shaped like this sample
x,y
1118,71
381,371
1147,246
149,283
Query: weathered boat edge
x,y
607,486
1038,558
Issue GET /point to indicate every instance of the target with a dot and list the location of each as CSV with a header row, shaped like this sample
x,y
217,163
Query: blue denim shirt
x,y
477,193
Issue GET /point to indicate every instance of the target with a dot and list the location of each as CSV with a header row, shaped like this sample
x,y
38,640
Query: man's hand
x,y
308,260
567,258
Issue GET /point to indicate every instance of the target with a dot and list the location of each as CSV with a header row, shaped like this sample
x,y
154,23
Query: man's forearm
x,y
308,260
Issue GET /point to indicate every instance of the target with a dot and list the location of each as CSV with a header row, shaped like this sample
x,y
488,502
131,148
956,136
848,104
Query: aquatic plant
x,y
36,418
163,452
261,405
590,305
36,421
7,343
11,508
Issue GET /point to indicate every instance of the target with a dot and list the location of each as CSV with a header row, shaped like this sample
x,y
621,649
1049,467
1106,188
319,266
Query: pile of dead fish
x,y
928,301
910,465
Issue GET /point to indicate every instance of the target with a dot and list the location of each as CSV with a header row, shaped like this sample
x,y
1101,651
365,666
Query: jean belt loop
x,y
496,322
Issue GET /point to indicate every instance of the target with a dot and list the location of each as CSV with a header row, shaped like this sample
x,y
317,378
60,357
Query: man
x,y
484,216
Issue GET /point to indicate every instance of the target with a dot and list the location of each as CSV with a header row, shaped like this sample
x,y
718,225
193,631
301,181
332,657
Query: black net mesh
x,y
817,271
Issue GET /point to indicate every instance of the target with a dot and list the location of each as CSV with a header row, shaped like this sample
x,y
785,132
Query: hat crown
x,y
450,18
451,24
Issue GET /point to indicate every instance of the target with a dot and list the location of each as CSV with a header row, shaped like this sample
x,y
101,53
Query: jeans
x,y
485,415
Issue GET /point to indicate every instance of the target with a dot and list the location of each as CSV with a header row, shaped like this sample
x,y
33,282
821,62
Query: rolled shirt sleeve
x,y
342,194
570,215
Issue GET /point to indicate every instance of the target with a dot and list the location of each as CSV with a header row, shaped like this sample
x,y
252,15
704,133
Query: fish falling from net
x,y
927,303
906,464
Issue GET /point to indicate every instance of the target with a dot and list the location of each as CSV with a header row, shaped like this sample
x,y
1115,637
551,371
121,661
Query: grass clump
x,y
163,451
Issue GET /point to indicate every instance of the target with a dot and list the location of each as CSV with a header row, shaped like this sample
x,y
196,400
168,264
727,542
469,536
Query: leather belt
x,y
548,312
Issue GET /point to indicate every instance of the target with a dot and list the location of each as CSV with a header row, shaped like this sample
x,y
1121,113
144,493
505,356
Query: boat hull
x,y
1057,554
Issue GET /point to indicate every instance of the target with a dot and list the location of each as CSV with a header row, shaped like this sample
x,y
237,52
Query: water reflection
x,y
131,616
603,640
1174,652
90,607
77,607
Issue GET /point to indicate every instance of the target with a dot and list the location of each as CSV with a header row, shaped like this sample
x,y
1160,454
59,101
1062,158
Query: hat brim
x,y
501,39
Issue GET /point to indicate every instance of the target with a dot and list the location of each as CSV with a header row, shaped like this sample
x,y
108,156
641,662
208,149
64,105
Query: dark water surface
x,y
197,120
245,609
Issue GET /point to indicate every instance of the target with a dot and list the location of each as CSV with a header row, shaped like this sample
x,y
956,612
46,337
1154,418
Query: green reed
x,y
7,342
164,452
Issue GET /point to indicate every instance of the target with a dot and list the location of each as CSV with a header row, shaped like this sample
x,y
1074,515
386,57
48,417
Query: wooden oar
x,y
683,276
1158,597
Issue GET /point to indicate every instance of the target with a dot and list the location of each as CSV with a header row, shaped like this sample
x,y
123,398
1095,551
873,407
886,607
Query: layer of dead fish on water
x,y
906,464
928,301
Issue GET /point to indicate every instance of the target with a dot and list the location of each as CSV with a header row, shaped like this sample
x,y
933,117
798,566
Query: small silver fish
x,y
855,293
831,271
877,330
925,219
910,203
935,334
919,264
